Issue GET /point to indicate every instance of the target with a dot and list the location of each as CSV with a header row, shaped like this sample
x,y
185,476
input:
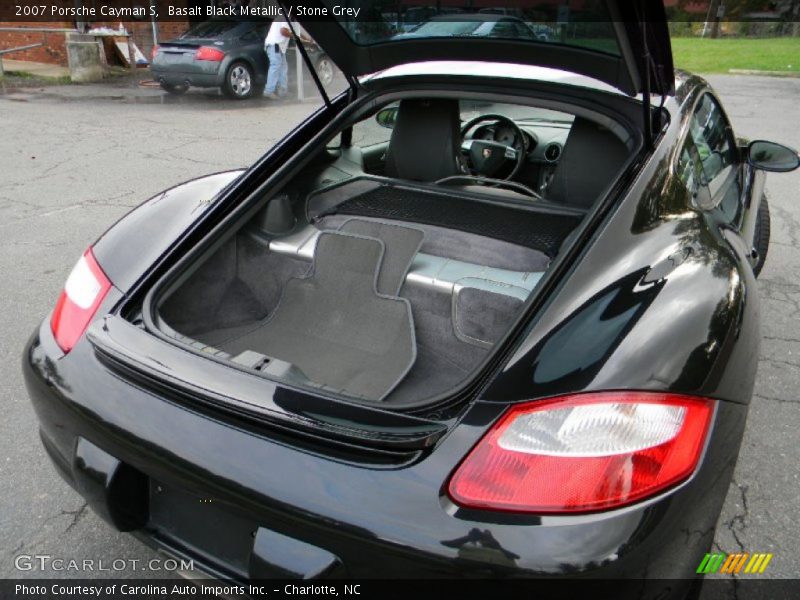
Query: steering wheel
x,y
486,157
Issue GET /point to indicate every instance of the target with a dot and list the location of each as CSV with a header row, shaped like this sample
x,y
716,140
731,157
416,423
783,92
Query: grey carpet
x,y
335,327
402,244
460,245
432,374
236,289
239,284
218,337
482,316
443,361
194,306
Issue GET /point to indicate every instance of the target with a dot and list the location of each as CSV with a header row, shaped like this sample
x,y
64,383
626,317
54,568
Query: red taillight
x,y
83,293
209,53
155,50
584,453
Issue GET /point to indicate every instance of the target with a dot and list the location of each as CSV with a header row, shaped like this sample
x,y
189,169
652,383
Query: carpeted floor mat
x,y
335,326
401,242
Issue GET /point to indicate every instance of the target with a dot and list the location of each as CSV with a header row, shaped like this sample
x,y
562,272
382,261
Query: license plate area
x,y
203,526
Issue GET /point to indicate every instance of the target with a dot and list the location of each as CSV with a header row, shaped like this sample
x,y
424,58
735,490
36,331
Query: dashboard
x,y
543,140
543,143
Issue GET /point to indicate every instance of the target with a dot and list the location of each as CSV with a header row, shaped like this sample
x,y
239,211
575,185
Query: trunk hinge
x,y
652,122
302,49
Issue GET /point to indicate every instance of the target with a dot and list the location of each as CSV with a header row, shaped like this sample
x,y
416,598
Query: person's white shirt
x,y
276,36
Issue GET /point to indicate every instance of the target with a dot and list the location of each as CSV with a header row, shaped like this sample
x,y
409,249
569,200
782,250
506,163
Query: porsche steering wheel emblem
x,y
487,152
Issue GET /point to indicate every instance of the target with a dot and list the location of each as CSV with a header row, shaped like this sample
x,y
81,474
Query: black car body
x,y
652,296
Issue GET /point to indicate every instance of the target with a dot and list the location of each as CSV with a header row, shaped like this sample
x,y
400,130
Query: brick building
x,y
54,50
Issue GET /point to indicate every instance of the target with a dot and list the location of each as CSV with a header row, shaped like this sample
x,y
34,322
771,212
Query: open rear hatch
x,y
624,43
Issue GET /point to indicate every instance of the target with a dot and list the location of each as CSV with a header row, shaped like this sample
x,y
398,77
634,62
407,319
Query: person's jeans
x,y
278,74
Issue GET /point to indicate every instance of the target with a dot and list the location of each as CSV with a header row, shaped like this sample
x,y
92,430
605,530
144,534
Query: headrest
x,y
426,140
592,156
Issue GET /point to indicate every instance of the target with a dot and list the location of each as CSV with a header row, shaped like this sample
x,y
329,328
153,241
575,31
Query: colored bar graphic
x,y
734,563
711,563
758,563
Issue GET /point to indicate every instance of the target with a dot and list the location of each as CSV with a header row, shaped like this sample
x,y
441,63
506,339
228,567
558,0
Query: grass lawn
x,y
704,55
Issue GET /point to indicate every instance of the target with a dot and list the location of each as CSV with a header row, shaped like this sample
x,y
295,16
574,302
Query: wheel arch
x,y
230,60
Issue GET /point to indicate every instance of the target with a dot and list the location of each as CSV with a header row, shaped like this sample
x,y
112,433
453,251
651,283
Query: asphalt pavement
x,y
73,159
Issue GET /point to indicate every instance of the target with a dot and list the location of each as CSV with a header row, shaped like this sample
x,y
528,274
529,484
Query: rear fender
x,y
259,70
660,301
135,241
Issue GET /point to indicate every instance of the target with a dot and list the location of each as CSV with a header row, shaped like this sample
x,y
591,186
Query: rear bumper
x,y
201,74
150,466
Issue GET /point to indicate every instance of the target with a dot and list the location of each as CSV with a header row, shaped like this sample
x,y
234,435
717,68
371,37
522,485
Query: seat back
x,y
592,156
426,140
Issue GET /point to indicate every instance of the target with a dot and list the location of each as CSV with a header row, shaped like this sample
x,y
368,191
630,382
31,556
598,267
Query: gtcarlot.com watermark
x,y
47,562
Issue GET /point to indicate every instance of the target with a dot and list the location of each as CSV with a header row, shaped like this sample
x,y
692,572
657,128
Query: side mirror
x,y
387,117
770,156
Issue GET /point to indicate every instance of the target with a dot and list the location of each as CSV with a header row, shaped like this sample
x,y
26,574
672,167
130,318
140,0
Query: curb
x,y
36,78
790,74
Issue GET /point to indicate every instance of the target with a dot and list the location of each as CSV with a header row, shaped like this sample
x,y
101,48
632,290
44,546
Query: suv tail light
x,y
209,53
83,293
155,50
584,453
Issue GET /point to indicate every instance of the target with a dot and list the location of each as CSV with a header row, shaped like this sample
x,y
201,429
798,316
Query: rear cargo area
x,y
384,293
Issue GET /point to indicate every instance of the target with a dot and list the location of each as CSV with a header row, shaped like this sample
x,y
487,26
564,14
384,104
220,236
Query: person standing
x,y
275,44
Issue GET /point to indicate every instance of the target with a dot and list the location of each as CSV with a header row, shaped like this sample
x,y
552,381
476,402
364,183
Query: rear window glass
x,y
583,23
210,29
368,132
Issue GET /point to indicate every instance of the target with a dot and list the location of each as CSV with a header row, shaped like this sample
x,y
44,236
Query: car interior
x,y
389,269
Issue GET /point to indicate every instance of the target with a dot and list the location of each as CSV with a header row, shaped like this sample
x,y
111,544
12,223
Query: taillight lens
x,y
155,50
83,293
209,53
584,453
